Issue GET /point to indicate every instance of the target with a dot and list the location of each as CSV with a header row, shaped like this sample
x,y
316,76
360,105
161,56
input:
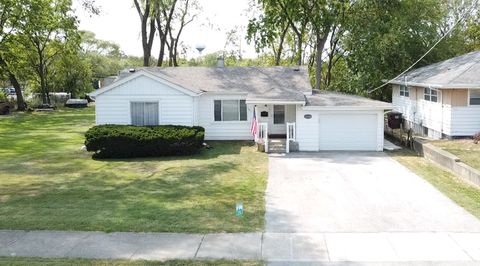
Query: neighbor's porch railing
x,y
291,135
262,135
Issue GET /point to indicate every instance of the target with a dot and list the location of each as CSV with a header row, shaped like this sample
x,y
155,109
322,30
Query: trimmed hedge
x,y
122,141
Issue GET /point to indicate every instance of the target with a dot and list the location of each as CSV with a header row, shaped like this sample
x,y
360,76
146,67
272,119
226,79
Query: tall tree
x,y
172,16
308,20
48,27
324,15
164,12
384,38
145,10
11,12
269,31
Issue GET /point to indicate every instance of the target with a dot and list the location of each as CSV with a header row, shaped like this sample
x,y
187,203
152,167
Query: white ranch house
x,y
223,101
441,100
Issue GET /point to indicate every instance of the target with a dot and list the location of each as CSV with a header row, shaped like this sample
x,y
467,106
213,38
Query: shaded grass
x,y
465,149
19,261
464,194
47,182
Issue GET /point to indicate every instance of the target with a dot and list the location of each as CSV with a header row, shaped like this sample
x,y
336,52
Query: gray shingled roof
x,y
329,98
269,84
265,83
458,72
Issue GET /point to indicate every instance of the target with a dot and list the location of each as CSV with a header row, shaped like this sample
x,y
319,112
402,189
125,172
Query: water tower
x,y
200,48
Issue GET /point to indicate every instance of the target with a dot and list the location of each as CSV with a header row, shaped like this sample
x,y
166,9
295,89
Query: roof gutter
x,y
347,108
437,86
274,102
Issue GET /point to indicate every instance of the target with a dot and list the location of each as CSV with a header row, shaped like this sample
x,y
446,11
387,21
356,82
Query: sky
x,y
120,23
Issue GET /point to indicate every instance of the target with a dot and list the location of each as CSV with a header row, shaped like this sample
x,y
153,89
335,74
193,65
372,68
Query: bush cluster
x,y
122,141
476,138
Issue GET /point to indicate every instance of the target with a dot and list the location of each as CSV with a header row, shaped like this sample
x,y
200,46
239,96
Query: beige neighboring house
x,y
441,100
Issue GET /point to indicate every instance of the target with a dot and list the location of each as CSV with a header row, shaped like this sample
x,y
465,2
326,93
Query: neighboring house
x,y
223,101
441,100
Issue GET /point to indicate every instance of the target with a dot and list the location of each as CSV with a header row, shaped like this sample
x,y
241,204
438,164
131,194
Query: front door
x,y
276,122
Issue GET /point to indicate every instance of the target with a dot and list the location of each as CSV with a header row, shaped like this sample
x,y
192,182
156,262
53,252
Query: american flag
x,y
253,129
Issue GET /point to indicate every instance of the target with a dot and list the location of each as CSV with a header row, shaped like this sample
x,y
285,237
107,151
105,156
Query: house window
x,y
230,110
279,114
474,97
404,91
431,95
144,113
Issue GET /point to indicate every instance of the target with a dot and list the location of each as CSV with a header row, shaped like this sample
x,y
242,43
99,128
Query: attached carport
x,y
334,121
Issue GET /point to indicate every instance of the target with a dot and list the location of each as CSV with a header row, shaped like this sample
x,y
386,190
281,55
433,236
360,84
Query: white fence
x,y
291,135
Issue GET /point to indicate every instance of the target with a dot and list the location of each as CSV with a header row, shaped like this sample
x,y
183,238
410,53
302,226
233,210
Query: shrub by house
x,y
124,141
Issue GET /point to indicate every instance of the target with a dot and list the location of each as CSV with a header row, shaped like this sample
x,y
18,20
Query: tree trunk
x,y
163,40
147,37
299,50
175,53
318,70
331,55
146,50
43,81
165,32
21,105
161,54
278,54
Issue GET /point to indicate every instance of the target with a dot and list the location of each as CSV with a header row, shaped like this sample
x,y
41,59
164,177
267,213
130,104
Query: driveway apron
x,y
355,192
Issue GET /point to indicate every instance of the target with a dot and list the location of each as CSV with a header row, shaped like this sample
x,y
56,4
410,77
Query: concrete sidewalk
x,y
273,247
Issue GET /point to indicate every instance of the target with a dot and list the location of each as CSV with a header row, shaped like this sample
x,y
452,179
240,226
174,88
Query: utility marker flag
x,y
253,129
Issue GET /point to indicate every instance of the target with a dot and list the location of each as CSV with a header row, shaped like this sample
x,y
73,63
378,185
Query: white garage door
x,y
348,132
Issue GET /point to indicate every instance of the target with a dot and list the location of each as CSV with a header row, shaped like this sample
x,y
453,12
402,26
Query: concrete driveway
x,y
355,192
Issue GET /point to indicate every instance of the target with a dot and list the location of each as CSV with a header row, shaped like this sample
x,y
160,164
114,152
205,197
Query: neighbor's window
x,y
144,113
404,91
230,110
474,97
279,114
431,95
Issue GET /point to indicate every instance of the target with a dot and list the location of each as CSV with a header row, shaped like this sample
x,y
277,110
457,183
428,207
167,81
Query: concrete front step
x,y
277,146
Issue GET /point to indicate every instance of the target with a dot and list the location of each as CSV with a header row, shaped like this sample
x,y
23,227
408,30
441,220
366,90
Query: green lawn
x,y
464,194
20,261
47,182
465,149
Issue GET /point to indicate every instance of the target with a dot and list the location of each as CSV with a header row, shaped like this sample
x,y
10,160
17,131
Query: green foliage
x,y
385,38
210,60
72,74
104,58
3,96
122,141
369,40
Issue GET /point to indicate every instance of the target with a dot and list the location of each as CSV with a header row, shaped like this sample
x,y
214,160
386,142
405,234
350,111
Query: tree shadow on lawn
x,y
218,148
190,199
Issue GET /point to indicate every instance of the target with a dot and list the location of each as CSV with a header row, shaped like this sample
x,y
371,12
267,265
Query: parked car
x,y
9,91
6,107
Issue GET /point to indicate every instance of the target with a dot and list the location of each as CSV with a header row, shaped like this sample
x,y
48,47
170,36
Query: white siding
x,y
113,107
441,119
223,130
340,130
424,113
465,120
307,130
